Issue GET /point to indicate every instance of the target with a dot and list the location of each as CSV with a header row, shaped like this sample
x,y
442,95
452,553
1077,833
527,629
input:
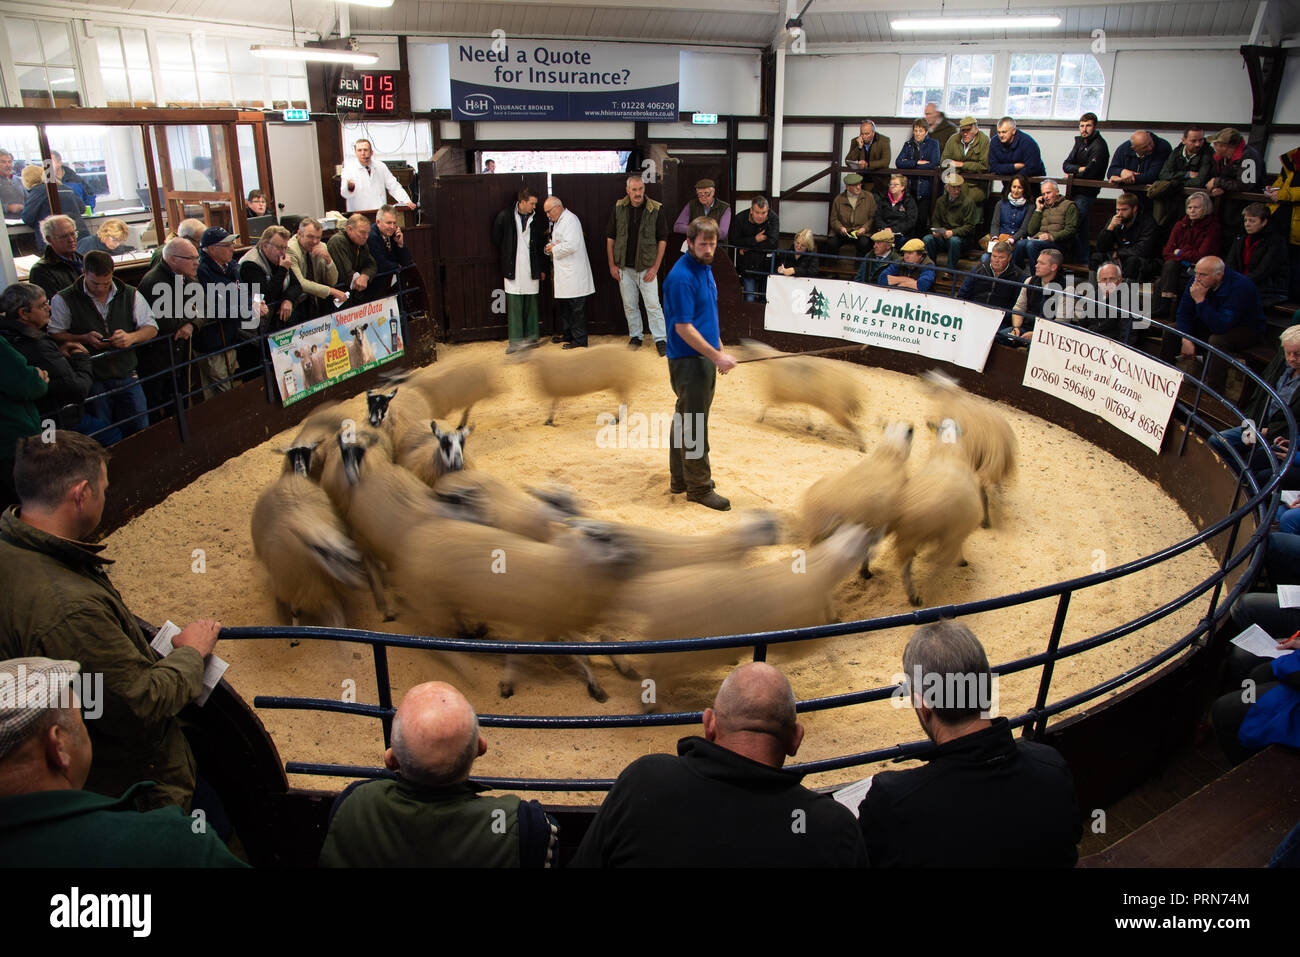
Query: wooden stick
x,y
819,352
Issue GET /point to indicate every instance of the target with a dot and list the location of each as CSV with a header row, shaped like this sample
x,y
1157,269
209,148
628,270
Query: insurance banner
x,y
900,319
315,355
512,79
1127,388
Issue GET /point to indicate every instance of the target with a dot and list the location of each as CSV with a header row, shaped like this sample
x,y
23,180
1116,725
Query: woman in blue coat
x,y
1011,212
920,152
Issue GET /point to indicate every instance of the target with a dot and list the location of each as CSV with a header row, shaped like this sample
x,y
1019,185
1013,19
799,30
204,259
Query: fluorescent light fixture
x,y
369,3
974,23
314,54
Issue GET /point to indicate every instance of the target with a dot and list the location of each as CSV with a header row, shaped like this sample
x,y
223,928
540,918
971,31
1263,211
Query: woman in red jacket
x,y
1193,236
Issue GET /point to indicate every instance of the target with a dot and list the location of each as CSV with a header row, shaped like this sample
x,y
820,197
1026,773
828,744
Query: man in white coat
x,y
572,269
519,235
366,182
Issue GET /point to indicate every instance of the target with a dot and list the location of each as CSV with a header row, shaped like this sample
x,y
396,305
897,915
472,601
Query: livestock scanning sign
x,y
315,355
500,79
1125,387
903,320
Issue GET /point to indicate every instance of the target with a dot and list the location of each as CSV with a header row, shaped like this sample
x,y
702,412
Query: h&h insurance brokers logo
x,y
477,104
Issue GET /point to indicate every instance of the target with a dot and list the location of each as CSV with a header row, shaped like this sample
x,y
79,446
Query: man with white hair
x,y
60,265
191,229
938,125
984,798
179,312
1014,152
429,814
724,800
1052,225
571,269
51,821
12,194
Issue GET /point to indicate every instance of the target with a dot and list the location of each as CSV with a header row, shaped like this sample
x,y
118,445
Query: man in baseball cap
x,y
46,819
216,341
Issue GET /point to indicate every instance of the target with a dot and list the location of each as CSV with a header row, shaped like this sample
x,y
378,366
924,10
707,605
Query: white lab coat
x,y
572,268
372,188
523,284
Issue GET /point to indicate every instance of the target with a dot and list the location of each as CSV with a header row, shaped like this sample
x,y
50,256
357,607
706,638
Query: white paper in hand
x,y
213,667
1290,498
1259,643
851,795
1288,596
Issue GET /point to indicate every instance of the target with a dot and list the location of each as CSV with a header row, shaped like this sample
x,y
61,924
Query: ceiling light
x,y
314,54
974,23
369,3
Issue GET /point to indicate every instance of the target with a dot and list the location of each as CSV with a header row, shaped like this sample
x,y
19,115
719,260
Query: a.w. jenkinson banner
x,y
1127,388
315,355
513,79
903,320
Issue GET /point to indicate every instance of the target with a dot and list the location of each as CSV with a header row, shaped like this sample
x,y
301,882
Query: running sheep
x,y
661,551
826,384
866,495
308,556
454,576
534,514
562,375
939,507
431,454
986,438
448,387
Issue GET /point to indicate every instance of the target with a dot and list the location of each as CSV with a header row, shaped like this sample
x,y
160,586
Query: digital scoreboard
x,y
369,92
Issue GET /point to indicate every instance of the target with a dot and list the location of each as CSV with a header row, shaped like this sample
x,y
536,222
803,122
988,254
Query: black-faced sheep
x,y
455,574
826,384
533,514
986,437
661,551
308,556
561,375
431,454
396,411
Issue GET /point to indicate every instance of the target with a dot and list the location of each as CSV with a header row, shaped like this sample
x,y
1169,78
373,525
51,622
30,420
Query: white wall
x,y
1209,85
857,84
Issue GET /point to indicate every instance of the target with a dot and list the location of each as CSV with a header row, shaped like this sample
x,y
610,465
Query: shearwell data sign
x,y
902,320
314,355
511,79
1127,388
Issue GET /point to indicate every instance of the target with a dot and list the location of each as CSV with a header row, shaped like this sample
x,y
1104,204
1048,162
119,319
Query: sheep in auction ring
x,y
826,384
866,495
662,551
561,375
533,514
986,437
455,574
397,411
301,541
431,454
939,506
447,387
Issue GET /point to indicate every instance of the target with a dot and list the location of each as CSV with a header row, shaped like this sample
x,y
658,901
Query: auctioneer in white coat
x,y
572,268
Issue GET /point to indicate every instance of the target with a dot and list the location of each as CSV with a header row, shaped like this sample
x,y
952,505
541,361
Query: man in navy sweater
x,y
1222,307
1014,152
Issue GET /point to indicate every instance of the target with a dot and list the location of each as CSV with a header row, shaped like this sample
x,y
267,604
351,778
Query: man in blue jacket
x,y
1014,152
1221,307
1139,161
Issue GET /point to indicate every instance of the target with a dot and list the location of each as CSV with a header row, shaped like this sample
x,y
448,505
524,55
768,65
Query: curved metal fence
x,y
1251,497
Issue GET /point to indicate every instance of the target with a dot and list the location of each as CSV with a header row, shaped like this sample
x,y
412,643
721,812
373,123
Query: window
x,y
206,70
124,67
970,84
409,141
42,54
1046,85
924,84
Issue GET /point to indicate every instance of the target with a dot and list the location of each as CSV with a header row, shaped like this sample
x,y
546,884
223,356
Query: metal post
x,y
1045,680
385,689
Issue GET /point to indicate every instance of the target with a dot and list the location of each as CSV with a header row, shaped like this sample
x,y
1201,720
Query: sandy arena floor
x,y
1071,507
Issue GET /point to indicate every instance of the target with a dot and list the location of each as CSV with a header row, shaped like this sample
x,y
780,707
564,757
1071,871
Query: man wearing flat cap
x,y
45,758
956,221
968,152
852,214
915,271
882,256
705,203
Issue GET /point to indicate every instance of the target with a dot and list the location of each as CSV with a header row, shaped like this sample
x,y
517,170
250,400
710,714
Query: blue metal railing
x,y
1261,502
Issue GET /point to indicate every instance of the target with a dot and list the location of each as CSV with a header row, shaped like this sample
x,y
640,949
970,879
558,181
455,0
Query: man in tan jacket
x,y
853,213
311,263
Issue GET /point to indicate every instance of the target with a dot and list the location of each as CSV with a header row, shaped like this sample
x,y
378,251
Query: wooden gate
x,y
591,197
463,210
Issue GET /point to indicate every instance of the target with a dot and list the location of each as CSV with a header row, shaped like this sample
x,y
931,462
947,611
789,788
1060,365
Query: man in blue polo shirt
x,y
695,357
1221,307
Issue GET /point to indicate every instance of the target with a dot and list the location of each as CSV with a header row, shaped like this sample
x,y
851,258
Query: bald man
x,y
430,814
725,800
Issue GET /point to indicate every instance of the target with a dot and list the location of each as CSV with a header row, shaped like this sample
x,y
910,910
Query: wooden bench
x,y
1237,820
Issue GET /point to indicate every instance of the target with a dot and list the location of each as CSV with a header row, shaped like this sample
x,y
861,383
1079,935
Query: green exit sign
x,y
297,116
704,119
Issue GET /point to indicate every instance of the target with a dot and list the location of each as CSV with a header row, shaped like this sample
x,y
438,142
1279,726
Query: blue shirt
x,y
691,296
923,282
1022,149
1235,304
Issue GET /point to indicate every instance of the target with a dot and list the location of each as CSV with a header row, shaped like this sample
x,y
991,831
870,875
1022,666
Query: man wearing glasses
x,y
175,295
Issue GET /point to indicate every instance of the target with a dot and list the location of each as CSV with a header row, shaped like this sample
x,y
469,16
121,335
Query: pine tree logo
x,y
818,305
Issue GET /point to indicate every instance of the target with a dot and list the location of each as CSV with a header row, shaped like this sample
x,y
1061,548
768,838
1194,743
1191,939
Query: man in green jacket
x,y
20,386
431,815
46,819
1052,225
352,260
635,240
956,221
968,152
59,603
